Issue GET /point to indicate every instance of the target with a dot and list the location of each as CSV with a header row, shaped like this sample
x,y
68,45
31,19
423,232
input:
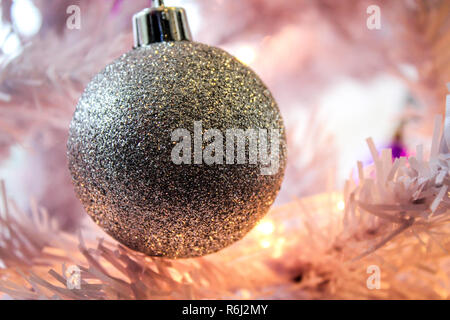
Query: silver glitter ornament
x,y
120,146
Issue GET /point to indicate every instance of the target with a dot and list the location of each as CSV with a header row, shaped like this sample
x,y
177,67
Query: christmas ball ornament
x,y
176,149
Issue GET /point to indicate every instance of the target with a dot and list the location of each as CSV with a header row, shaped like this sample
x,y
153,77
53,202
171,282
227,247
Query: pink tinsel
x,y
396,208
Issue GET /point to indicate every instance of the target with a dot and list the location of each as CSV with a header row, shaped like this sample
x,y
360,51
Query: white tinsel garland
x,y
312,248
317,247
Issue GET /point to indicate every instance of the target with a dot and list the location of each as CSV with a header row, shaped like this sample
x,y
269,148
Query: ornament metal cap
x,y
160,24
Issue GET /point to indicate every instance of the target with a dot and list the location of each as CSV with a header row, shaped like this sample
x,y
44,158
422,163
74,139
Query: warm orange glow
x,y
265,227
246,54
264,243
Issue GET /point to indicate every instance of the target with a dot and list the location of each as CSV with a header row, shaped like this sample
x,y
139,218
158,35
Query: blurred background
x,y
338,79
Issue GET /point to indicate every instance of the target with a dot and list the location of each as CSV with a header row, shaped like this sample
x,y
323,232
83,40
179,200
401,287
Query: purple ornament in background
x,y
398,149
397,146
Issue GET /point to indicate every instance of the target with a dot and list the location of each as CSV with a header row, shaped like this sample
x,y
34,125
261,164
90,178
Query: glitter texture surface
x,y
120,146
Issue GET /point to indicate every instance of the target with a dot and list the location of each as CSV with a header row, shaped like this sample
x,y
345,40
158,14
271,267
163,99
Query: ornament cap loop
x,y
160,24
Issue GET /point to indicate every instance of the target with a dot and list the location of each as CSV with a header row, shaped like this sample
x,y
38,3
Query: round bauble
x,y
121,149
